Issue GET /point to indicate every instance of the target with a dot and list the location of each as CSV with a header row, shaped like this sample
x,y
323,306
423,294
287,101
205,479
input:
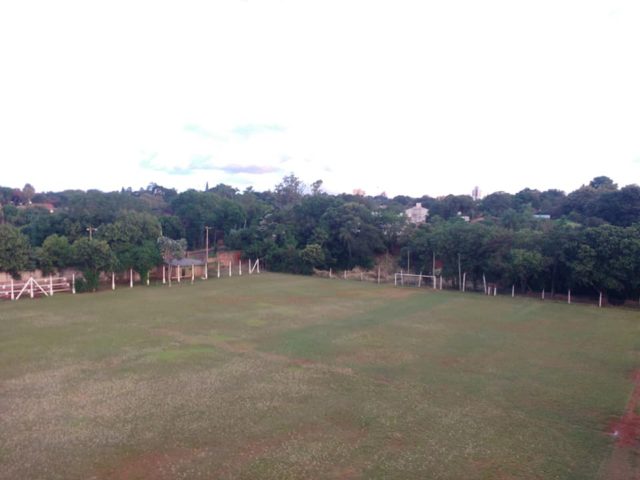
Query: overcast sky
x,y
406,97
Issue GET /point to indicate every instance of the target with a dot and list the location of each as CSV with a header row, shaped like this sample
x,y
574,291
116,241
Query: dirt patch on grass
x,y
153,465
623,463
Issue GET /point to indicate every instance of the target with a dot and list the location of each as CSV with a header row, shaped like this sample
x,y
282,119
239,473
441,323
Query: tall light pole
x,y
206,259
91,229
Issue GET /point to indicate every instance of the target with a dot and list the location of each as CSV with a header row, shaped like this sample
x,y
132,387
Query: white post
x,y
569,297
50,285
495,290
378,275
13,296
169,272
434,281
73,283
147,278
164,278
464,281
113,281
401,277
193,273
206,269
361,276
440,282
258,263
240,267
330,276
229,267
543,293
513,291
600,300
420,279
250,269
484,283
31,286
345,275
179,272
218,269
131,278
395,279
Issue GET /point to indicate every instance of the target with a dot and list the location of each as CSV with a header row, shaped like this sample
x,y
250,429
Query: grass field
x,y
277,377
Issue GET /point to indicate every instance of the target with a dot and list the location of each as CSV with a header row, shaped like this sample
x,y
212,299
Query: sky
x,y
402,97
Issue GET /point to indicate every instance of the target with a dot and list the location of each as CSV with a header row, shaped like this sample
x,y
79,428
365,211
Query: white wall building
x,y
417,214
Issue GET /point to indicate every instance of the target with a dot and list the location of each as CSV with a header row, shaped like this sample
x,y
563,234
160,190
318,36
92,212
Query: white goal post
x,y
413,279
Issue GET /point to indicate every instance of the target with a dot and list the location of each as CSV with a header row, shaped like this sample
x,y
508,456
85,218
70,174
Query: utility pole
x,y
91,229
206,259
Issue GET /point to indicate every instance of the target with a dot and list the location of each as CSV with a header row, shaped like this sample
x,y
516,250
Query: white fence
x,y
35,287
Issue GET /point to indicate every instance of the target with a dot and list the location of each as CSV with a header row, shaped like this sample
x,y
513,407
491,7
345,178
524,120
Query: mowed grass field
x,y
286,377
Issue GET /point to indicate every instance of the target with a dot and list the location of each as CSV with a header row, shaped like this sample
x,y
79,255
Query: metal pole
x,y
206,260
131,278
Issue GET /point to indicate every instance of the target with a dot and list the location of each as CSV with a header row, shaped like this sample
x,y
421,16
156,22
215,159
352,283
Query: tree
x,y
145,257
604,183
14,250
289,191
55,254
28,192
92,257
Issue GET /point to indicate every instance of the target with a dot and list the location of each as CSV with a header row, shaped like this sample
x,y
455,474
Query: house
x,y
417,214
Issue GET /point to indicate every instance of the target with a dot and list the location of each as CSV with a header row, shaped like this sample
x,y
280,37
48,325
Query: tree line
x,y
587,240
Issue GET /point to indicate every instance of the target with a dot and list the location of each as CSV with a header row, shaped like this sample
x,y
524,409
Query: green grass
x,y
276,376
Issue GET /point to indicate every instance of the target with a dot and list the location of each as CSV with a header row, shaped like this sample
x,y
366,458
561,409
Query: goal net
x,y
413,280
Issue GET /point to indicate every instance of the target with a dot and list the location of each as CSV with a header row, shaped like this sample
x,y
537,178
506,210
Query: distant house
x,y
417,214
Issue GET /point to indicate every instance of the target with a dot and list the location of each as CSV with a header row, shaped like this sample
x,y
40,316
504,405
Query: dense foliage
x,y
588,240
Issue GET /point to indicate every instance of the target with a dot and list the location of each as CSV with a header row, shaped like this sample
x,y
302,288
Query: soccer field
x,y
286,377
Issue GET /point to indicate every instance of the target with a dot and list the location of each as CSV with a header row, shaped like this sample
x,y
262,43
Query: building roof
x,y
186,262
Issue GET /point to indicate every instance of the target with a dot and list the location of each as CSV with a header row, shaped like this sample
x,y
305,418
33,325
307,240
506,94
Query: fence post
x,y
345,275
378,275
31,286
193,273
51,285
569,297
73,283
131,278
240,267
13,296
513,291
543,293
600,300
164,278
464,281
440,282
330,276
229,267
